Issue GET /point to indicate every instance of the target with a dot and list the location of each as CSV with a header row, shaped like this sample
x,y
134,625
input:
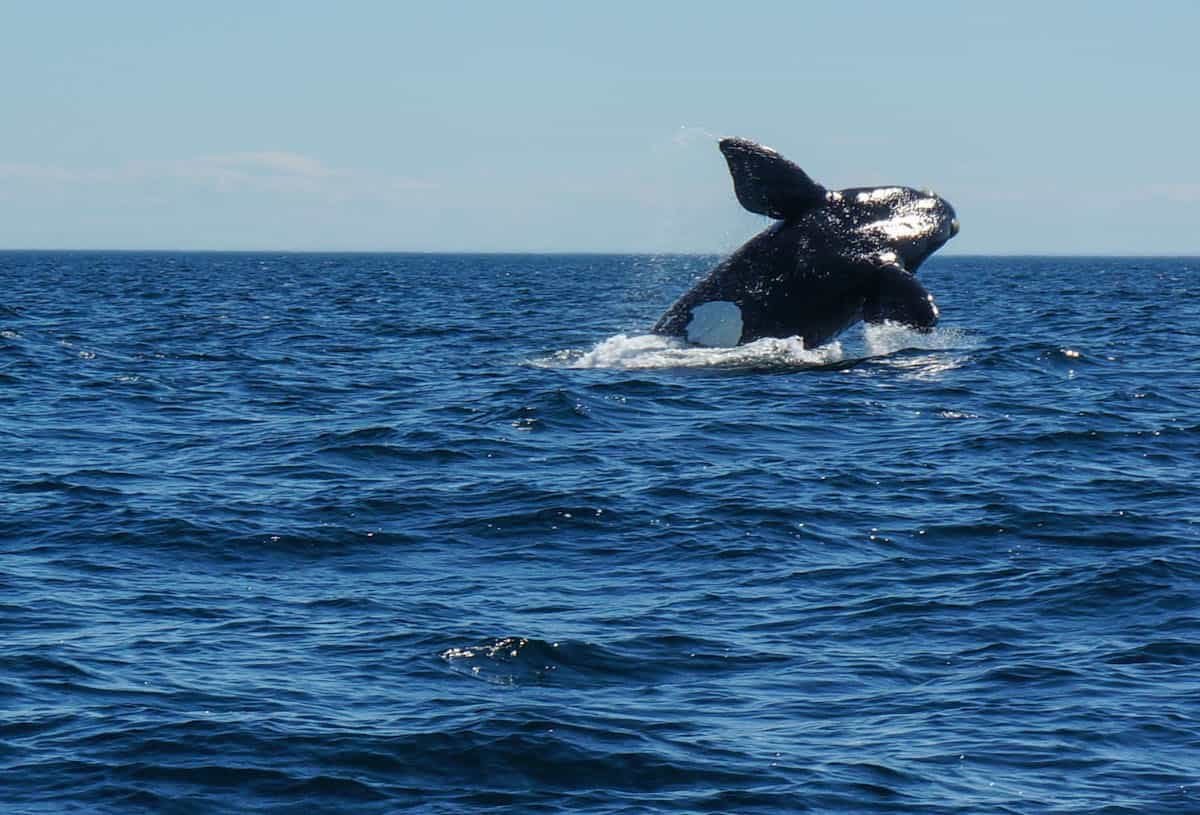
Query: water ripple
x,y
293,533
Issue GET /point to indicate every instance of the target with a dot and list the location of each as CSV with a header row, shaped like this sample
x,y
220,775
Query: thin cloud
x,y
278,162
1177,193
241,172
36,172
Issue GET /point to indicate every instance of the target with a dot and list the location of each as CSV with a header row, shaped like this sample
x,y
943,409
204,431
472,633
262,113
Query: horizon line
x,y
560,253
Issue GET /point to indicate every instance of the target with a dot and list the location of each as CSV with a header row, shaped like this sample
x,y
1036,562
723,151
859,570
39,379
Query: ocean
x,y
305,533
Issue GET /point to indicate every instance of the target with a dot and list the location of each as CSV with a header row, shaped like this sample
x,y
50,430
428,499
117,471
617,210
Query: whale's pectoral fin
x,y
768,184
899,297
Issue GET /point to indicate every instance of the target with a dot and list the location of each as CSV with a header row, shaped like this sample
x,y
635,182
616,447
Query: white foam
x,y
875,341
655,351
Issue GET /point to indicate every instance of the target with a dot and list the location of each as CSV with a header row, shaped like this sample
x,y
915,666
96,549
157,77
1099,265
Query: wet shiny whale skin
x,y
832,258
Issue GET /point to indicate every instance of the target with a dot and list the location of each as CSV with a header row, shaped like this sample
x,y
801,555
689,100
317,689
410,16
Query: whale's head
x,y
912,223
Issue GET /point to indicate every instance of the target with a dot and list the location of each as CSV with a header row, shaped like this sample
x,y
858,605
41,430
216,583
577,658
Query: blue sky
x,y
1061,127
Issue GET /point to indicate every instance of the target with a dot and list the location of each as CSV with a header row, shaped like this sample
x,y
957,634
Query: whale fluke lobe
x,y
831,260
768,184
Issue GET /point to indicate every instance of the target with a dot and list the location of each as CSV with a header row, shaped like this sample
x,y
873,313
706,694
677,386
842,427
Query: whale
x,y
831,259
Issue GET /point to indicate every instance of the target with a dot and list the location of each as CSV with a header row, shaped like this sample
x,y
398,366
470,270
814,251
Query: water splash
x,y
687,135
644,351
886,342
884,339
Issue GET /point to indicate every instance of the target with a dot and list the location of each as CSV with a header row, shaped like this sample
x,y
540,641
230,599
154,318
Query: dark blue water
x,y
442,534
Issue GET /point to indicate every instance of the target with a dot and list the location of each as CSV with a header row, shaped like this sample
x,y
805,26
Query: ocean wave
x,y
643,659
299,539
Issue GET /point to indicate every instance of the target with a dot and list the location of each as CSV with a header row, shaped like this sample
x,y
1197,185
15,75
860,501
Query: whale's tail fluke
x,y
768,184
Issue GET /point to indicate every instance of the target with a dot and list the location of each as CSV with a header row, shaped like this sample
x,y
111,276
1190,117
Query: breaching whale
x,y
831,259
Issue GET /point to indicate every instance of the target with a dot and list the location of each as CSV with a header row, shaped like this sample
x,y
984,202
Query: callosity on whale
x,y
831,259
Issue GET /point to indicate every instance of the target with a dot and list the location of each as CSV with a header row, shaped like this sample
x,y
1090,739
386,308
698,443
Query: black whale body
x,y
833,258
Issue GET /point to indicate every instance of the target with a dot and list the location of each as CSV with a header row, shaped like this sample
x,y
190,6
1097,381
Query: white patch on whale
x,y
717,324
880,195
903,228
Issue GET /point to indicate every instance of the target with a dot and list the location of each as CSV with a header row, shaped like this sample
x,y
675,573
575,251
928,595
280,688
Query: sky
x,y
1054,126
